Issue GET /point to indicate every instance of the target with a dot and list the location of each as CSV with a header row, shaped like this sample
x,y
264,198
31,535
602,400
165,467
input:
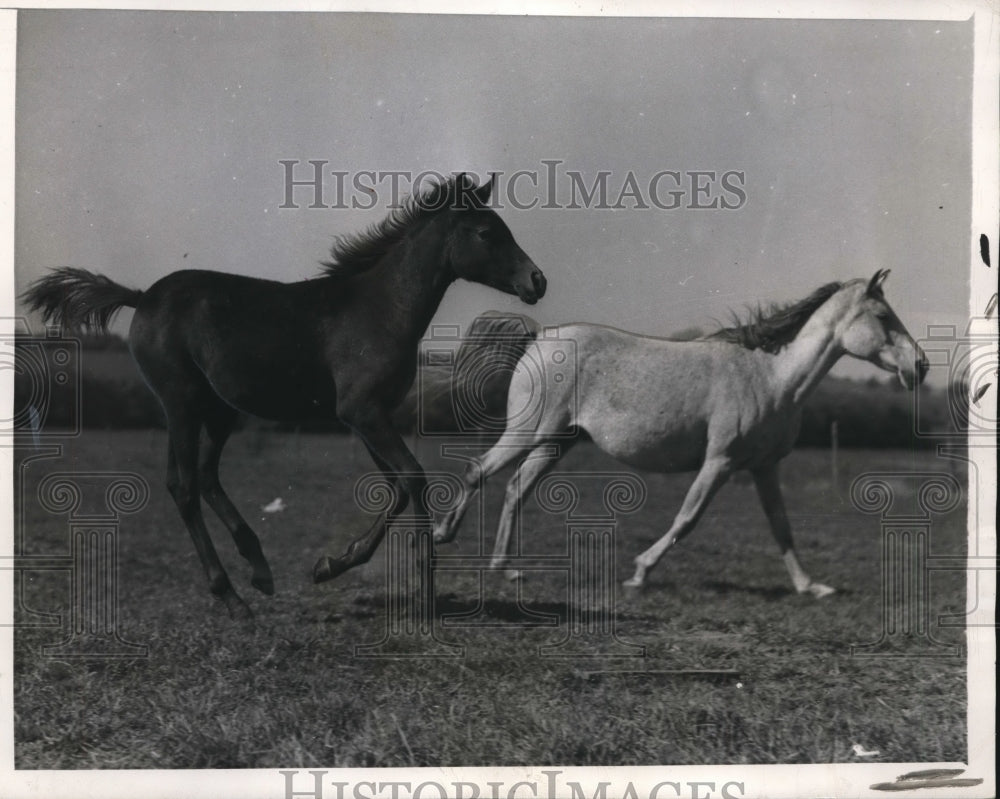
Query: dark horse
x,y
343,344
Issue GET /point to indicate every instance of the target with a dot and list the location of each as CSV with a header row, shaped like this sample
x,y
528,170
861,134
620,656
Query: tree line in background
x,y
112,395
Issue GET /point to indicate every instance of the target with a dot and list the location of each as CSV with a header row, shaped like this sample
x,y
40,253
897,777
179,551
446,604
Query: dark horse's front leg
x,y
404,473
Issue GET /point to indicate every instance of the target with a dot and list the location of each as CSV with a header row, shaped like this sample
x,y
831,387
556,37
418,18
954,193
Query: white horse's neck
x,y
805,361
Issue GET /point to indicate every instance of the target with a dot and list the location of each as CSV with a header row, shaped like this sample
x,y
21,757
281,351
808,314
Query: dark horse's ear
x,y
875,284
483,193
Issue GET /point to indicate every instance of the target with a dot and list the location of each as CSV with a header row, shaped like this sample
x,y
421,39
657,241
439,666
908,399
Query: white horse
x,y
731,400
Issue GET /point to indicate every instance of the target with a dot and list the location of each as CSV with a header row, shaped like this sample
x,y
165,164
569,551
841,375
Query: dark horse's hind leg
x,y
182,482
219,422
405,475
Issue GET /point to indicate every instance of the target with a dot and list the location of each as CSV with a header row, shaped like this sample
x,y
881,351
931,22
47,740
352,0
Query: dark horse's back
x,y
254,343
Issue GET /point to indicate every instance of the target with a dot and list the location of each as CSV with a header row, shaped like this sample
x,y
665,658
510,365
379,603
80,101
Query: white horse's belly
x,y
637,442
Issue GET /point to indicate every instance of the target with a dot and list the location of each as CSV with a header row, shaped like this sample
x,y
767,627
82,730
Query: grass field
x,y
737,669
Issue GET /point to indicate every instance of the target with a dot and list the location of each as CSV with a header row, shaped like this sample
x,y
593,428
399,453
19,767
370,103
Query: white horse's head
x,y
870,330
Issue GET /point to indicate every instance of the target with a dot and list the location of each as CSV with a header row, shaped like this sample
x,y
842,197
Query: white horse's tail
x,y
485,363
468,393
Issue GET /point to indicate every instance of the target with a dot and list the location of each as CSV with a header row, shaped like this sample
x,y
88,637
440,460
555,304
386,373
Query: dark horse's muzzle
x,y
530,284
923,366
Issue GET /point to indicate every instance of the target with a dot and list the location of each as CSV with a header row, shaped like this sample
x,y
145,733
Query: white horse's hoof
x,y
441,535
819,590
633,583
513,574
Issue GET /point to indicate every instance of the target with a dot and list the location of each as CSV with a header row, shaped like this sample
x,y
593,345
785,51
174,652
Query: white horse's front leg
x,y
769,491
802,582
713,474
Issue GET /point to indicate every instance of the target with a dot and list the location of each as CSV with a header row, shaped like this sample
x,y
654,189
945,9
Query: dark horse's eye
x,y
484,234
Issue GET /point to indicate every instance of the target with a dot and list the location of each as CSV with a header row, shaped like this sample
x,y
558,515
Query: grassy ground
x,y
737,669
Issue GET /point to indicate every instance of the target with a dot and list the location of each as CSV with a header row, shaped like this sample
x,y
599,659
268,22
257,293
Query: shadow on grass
x,y
771,593
454,611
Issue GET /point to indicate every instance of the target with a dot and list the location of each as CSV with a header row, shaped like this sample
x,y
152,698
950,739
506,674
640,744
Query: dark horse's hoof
x,y
327,568
263,584
238,609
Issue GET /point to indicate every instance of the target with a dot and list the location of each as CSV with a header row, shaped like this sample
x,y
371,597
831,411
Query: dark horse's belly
x,y
274,376
278,393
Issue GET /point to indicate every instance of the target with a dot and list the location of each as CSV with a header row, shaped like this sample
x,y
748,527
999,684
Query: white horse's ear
x,y
483,192
875,284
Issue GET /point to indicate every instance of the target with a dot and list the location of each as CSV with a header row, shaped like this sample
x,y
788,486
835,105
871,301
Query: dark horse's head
x,y
482,249
475,243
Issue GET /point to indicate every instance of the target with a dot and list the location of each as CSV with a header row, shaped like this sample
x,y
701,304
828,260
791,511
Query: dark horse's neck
x,y
407,285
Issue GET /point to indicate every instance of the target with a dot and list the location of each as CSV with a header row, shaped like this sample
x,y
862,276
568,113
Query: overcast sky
x,y
151,141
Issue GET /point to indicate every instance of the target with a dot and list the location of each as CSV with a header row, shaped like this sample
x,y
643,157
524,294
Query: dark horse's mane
x,y
357,252
773,327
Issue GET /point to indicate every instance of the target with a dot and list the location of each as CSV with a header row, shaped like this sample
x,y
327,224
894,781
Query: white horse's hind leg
x,y
539,461
769,491
550,410
446,528
476,474
714,472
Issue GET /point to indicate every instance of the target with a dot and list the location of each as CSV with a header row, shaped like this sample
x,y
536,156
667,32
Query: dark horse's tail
x,y
78,299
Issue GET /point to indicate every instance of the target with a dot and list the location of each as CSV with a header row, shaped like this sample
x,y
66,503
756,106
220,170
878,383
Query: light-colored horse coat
x,y
715,405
